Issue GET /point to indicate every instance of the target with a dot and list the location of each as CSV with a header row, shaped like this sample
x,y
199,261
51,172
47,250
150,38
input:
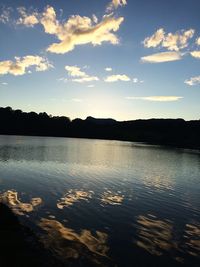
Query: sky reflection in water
x,y
106,199
154,235
73,196
11,199
57,233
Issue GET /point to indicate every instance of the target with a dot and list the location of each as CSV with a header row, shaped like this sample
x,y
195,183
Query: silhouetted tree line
x,y
174,132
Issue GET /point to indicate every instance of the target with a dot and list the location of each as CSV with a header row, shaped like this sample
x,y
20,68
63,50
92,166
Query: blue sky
x,y
123,59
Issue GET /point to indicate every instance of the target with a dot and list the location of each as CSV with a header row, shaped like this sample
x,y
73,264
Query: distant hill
x,y
101,121
171,132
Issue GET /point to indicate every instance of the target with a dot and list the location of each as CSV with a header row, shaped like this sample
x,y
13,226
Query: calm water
x,y
109,202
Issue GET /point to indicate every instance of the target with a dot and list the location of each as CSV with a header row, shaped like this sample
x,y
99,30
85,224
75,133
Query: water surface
x,y
107,203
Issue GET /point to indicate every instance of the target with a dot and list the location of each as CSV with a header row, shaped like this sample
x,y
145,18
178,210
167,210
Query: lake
x,y
107,203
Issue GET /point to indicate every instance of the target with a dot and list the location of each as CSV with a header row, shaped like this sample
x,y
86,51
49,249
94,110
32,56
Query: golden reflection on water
x,y
11,199
155,235
110,198
69,244
192,235
158,182
73,196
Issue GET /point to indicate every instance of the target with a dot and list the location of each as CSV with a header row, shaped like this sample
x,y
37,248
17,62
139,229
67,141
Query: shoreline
x,y
162,145
168,132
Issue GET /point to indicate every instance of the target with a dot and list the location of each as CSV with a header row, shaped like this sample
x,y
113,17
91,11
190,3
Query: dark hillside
x,y
173,132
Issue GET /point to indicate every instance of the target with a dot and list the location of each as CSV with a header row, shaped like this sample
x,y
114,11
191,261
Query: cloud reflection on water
x,y
155,235
73,196
192,235
68,244
111,198
11,199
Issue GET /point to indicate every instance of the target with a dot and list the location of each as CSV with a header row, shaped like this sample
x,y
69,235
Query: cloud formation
x,y
11,199
75,71
108,69
195,54
81,76
21,65
77,30
155,98
162,57
114,4
86,79
178,41
155,39
117,77
171,41
136,80
26,19
5,15
198,41
193,81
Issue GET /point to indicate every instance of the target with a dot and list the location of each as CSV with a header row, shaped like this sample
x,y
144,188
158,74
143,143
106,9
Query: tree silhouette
x,y
173,132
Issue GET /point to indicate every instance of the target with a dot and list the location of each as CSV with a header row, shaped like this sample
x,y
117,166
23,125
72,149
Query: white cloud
x,y
155,98
117,77
77,30
155,39
171,41
162,57
195,54
177,41
95,19
28,20
136,80
108,69
198,41
74,71
50,23
193,81
86,79
90,85
5,14
4,83
20,65
114,4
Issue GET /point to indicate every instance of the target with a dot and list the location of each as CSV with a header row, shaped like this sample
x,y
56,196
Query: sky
x,y
121,59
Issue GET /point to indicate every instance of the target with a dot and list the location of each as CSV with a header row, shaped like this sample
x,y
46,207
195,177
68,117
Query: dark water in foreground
x,y
109,202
